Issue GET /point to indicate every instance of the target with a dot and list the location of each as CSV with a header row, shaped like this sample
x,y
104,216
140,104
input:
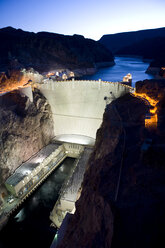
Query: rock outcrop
x,y
25,128
119,193
18,79
155,89
122,201
157,66
45,51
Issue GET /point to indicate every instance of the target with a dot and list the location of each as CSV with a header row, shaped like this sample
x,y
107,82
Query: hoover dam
x,y
78,106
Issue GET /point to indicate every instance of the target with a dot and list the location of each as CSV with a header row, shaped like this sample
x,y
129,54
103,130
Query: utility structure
x,y
27,92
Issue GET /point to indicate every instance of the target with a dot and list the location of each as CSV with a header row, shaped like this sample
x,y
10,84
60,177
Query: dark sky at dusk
x,y
91,18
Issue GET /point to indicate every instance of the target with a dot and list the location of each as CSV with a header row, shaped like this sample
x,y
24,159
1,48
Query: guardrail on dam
x,y
78,105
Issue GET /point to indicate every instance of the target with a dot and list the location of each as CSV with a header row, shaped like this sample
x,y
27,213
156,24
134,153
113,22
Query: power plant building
x,y
32,170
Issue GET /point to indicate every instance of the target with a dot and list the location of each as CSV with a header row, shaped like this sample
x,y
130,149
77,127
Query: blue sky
x,y
91,18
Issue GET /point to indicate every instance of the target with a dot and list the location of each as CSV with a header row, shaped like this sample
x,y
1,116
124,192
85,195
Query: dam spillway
x,y
78,105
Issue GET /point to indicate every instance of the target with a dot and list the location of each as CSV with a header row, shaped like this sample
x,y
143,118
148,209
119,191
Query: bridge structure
x,y
78,106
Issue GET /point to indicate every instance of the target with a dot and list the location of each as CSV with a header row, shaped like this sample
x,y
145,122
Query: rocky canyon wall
x,y
25,128
122,201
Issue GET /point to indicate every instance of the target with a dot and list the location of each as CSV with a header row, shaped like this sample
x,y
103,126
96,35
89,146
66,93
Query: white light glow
x,y
61,168
26,172
39,160
76,139
20,216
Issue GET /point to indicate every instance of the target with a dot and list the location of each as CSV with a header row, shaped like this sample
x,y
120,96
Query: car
x,y
10,199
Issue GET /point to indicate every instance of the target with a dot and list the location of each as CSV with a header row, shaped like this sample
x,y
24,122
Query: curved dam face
x,y
78,106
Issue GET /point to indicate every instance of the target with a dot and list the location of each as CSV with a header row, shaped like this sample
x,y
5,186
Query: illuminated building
x,y
31,171
127,79
64,76
71,74
49,74
36,168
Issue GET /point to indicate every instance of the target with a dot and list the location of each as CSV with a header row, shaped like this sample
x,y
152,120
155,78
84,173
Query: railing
x,y
48,81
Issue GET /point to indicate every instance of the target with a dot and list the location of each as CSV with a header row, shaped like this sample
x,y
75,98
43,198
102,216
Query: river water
x,y
30,227
123,66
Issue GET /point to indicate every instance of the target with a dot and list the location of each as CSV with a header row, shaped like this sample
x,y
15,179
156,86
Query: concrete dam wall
x,y
78,106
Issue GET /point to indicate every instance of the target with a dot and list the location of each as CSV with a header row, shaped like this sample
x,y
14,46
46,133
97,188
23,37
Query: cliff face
x,y
25,128
122,201
47,51
148,44
151,48
115,42
155,89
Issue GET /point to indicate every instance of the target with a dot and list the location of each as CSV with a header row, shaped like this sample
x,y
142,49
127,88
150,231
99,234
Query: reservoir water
x,y
30,227
123,66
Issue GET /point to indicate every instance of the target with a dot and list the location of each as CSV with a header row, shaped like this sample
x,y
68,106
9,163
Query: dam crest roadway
x,y
78,106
